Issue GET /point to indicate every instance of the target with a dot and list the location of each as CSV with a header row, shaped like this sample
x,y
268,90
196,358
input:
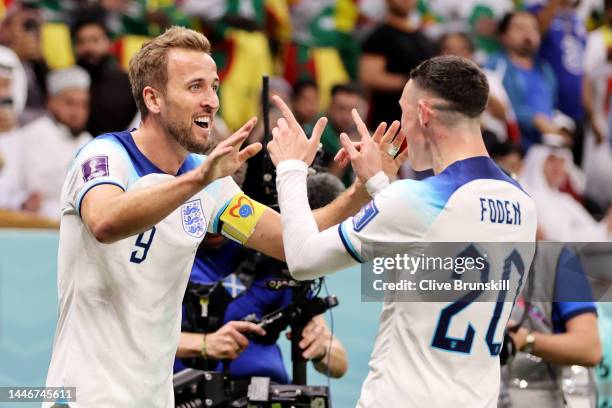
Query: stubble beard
x,y
183,135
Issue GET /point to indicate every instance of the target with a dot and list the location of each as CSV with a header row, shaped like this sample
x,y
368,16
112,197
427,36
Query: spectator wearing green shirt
x,y
344,97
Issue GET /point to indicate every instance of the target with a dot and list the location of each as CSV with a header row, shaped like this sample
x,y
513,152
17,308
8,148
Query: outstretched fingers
x,y
380,131
315,137
248,126
361,126
249,151
390,135
348,145
235,140
285,111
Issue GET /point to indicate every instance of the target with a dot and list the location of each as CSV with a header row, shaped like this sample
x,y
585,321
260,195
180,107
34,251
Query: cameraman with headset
x,y
225,289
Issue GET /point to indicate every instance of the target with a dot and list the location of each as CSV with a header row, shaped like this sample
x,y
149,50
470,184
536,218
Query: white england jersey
x,y
444,354
120,303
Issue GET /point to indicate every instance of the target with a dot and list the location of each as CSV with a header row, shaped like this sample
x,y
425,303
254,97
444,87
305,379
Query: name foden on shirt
x,y
500,211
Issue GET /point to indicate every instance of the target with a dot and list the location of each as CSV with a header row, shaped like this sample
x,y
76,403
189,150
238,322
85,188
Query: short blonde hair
x,y
149,66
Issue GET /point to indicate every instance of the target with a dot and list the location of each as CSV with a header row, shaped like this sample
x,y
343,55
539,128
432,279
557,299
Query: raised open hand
x,y
289,140
227,157
388,142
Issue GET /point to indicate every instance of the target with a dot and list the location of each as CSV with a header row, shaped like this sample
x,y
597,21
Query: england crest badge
x,y
194,222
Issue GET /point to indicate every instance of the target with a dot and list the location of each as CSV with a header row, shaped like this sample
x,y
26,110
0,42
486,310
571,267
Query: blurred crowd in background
x,y
63,81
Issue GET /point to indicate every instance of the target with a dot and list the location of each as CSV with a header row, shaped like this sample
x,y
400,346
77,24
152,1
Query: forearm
x,y
308,252
334,362
543,124
373,75
587,99
568,348
546,15
383,81
190,345
345,205
135,211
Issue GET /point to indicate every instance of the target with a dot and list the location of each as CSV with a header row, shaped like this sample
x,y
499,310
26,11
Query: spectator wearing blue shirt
x,y
563,47
217,261
527,78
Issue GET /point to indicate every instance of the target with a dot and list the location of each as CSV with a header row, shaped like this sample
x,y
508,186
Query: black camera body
x,y
195,388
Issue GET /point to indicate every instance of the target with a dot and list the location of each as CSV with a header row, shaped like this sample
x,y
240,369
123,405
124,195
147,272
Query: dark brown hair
x,y
455,79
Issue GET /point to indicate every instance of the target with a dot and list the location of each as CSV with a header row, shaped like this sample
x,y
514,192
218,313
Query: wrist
x,y
529,345
203,350
199,177
358,194
291,165
377,183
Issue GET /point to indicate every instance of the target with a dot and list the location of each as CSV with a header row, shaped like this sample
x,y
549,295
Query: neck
x,y
399,22
458,143
161,149
522,61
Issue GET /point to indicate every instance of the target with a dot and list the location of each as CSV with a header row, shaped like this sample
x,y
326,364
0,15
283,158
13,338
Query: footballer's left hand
x,y
289,140
388,140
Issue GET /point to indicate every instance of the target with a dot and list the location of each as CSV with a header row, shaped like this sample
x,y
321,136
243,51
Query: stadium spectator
x,y
509,156
478,17
563,44
21,31
12,195
50,142
388,55
305,101
499,119
111,106
344,98
555,320
560,216
597,96
19,85
527,78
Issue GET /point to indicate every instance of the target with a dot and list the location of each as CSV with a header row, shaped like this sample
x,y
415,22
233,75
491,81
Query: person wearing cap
x,y
50,142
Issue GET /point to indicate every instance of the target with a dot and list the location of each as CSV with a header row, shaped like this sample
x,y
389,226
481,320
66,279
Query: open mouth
x,y
202,121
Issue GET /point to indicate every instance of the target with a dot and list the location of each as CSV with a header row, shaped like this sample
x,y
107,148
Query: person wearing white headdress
x,y
50,142
12,194
560,217
19,84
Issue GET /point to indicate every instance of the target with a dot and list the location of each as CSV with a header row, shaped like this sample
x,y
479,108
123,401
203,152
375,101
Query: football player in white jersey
x,y
136,205
434,354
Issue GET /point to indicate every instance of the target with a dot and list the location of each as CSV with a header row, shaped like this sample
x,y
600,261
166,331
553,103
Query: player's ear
x,y
424,113
152,99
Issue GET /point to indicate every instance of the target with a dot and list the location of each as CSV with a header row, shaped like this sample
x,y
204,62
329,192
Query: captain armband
x,y
239,218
